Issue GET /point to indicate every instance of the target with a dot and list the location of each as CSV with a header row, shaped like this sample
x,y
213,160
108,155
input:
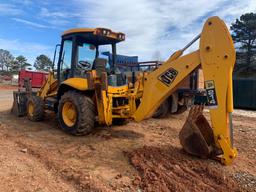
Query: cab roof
x,y
96,36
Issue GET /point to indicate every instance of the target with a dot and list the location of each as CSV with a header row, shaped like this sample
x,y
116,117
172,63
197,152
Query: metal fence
x,y
244,93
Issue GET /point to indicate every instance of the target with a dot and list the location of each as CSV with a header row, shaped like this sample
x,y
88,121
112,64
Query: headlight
x,y
121,36
104,32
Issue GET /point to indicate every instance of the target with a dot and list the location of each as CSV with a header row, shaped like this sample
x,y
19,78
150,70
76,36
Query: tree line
x,y
11,65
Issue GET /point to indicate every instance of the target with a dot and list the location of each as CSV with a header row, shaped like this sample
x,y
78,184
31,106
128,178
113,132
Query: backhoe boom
x,y
216,55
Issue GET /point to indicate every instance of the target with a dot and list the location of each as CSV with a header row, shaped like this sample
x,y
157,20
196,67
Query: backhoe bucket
x,y
196,135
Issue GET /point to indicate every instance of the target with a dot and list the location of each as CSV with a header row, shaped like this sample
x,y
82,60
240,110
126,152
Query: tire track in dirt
x,y
82,181
22,172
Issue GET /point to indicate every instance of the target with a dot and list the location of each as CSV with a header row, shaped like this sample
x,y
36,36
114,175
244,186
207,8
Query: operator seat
x,y
99,64
115,78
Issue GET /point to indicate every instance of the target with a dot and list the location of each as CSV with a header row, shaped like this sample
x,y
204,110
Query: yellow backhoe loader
x,y
87,89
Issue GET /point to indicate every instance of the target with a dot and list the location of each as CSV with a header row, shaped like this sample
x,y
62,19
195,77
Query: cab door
x,y
65,70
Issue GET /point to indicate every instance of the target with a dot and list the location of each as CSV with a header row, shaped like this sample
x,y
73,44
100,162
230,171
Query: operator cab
x,y
81,51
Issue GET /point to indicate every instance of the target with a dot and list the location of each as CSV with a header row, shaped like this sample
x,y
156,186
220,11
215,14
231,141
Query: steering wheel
x,y
84,64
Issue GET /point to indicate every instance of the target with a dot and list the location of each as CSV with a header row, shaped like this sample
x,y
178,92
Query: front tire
x,y
35,108
76,113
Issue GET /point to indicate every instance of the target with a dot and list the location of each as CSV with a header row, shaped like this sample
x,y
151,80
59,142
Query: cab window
x,y
105,53
65,63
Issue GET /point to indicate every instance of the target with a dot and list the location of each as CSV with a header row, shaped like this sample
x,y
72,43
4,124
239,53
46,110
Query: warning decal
x,y
211,93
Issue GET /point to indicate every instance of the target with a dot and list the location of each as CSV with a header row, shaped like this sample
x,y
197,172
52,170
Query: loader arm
x,y
216,55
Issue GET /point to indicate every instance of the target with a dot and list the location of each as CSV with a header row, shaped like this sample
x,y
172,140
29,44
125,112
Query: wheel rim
x,y
69,114
30,109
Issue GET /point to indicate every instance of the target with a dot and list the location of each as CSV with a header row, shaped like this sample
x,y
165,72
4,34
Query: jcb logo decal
x,y
168,76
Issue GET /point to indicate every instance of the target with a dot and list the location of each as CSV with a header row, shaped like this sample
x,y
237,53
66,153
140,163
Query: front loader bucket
x,y
19,107
196,135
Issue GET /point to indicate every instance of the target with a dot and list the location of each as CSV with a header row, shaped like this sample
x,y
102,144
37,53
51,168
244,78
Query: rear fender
x,y
80,84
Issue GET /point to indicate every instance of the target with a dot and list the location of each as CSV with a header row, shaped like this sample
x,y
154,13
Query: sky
x,y
152,27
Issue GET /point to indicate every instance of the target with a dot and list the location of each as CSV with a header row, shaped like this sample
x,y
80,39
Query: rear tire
x,y
162,110
119,121
181,109
82,118
35,108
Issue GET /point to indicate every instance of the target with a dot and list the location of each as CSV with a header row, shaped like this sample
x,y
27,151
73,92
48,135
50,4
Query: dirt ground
x,y
142,156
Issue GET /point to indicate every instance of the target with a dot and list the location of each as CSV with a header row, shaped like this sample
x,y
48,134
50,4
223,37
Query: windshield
x,y
86,54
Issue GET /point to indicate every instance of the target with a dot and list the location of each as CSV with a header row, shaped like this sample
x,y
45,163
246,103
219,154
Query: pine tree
x,y
244,36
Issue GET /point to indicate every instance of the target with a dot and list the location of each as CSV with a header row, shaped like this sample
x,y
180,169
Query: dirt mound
x,y
169,169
